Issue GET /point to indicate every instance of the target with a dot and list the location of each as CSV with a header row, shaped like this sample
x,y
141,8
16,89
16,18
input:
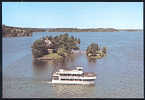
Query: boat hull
x,y
72,82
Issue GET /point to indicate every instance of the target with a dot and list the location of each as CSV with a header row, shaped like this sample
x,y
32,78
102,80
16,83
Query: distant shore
x,y
9,31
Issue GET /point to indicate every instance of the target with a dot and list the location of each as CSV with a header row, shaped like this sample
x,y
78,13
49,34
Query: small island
x,y
55,48
94,52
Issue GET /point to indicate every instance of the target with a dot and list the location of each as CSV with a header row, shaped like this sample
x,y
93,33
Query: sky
x,y
119,15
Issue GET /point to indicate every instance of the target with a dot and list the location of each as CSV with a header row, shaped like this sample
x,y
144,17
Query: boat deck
x,y
90,74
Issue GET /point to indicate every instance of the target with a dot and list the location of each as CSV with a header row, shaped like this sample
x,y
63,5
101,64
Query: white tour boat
x,y
76,76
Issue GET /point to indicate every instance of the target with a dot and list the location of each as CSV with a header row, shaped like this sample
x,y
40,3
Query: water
x,y
119,74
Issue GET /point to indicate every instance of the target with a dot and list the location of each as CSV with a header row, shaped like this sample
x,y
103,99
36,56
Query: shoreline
x,y
44,58
64,32
10,31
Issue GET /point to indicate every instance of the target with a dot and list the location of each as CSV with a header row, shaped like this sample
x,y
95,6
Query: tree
x,y
72,37
104,50
61,51
79,41
95,46
50,37
92,48
88,50
39,48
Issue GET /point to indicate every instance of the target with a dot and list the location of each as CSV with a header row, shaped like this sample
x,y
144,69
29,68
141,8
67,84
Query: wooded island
x,y
95,52
53,48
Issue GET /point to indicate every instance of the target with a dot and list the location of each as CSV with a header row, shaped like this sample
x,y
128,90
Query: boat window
x,y
63,79
55,77
88,79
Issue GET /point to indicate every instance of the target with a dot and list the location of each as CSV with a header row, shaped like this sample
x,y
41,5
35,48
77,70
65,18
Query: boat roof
x,y
76,68
68,70
87,74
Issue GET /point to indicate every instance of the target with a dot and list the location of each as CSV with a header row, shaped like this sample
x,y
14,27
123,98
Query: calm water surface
x,y
119,74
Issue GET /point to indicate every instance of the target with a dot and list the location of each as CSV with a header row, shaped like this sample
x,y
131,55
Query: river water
x,y
119,74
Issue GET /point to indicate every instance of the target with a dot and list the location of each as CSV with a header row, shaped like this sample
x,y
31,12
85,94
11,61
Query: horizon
x,y
72,28
78,15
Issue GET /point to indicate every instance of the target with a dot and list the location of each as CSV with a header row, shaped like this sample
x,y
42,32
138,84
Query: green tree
x,y
95,46
61,51
39,48
92,48
104,50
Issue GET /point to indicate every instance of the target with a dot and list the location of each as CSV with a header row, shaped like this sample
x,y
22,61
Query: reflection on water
x,y
67,91
92,60
43,70
39,69
119,74
39,63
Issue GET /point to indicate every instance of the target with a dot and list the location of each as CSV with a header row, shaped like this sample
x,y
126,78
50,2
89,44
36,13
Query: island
x,y
55,48
95,52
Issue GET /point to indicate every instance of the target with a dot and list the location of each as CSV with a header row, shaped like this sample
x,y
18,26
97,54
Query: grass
x,y
97,57
53,56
